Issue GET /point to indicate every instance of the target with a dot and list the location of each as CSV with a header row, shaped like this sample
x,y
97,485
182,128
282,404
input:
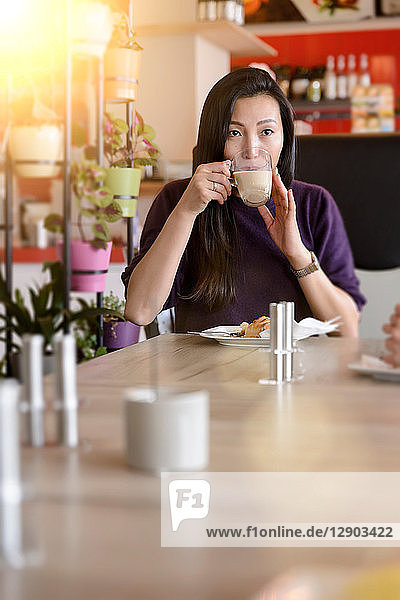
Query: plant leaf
x,y
95,311
112,212
96,243
101,350
54,223
100,231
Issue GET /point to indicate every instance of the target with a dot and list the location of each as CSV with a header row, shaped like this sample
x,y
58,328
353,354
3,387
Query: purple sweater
x,y
263,272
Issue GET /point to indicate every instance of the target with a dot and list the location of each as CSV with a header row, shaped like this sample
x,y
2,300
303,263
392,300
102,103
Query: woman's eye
x,y
266,132
233,133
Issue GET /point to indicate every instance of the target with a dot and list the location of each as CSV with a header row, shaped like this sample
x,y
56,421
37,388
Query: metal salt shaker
x,y
66,392
32,395
277,335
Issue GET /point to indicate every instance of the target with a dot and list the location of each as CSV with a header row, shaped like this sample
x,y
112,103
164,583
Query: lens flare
x,y
31,35
11,13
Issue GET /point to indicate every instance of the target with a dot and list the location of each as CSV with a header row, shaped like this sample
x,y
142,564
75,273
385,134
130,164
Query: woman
x,y
220,262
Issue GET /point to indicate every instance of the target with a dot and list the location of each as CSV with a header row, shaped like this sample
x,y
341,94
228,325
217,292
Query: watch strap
x,y
311,268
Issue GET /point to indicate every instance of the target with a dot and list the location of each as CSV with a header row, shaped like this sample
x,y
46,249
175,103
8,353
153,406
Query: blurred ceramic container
x,y
166,429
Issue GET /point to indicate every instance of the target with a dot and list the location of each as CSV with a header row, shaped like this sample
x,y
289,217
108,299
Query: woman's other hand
x,y
392,342
283,228
209,182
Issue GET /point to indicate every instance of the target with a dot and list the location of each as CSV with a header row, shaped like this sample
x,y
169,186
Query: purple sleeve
x,y
159,212
331,244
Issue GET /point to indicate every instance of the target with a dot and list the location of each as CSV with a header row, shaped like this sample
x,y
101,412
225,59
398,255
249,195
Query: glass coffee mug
x,y
252,175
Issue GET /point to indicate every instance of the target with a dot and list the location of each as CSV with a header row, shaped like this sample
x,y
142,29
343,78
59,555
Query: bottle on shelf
x,y
315,87
239,13
226,10
201,10
352,78
299,83
330,79
283,75
341,78
207,10
364,77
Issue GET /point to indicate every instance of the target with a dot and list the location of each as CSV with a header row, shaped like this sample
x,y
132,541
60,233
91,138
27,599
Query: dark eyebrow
x,y
267,121
259,122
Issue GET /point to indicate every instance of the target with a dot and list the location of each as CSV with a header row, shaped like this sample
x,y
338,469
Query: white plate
x,y
306,328
376,372
222,335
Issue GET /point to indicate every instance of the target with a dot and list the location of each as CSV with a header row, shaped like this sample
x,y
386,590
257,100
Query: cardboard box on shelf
x,y
372,109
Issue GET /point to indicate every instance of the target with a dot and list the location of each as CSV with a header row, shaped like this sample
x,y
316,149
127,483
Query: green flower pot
x,y
124,183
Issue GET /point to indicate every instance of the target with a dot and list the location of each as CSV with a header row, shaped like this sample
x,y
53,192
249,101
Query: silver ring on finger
x,y
214,186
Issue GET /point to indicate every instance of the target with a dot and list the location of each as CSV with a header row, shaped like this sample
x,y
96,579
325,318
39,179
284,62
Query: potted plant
x,y
118,333
35,138
121,62
124,172
91,27
43,314
95,204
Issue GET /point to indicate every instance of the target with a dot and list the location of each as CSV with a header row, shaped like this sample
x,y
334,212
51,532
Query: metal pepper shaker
x,y
288,341
277,335
66,392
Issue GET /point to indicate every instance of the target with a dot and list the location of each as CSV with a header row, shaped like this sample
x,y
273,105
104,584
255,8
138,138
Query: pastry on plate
x,y
253,329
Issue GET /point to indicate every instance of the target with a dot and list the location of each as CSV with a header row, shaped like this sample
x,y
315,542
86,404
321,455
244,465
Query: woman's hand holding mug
x,y
209,182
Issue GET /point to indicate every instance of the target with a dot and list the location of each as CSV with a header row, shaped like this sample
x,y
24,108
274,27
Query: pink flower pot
x,y
119,334
89,266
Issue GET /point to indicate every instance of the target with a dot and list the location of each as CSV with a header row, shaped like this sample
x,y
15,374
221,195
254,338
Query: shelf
x,y
39,255
300,27
238,40
326,109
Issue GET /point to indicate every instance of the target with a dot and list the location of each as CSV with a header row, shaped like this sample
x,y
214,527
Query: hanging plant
x,y
122,62
35,137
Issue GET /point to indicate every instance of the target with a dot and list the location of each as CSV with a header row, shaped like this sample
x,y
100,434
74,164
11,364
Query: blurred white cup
x,y
166,429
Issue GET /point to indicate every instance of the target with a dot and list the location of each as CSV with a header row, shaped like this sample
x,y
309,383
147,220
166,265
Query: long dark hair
x,y
215,235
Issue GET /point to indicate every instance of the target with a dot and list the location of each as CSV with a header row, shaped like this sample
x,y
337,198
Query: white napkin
x,y
309,326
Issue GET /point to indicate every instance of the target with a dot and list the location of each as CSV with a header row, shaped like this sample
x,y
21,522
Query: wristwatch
x,y
313,266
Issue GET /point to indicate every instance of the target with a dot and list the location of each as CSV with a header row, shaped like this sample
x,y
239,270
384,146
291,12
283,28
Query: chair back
x,y
362,174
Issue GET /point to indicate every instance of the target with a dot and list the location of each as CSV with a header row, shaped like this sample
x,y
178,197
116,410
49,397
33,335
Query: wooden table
x,y
96,523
